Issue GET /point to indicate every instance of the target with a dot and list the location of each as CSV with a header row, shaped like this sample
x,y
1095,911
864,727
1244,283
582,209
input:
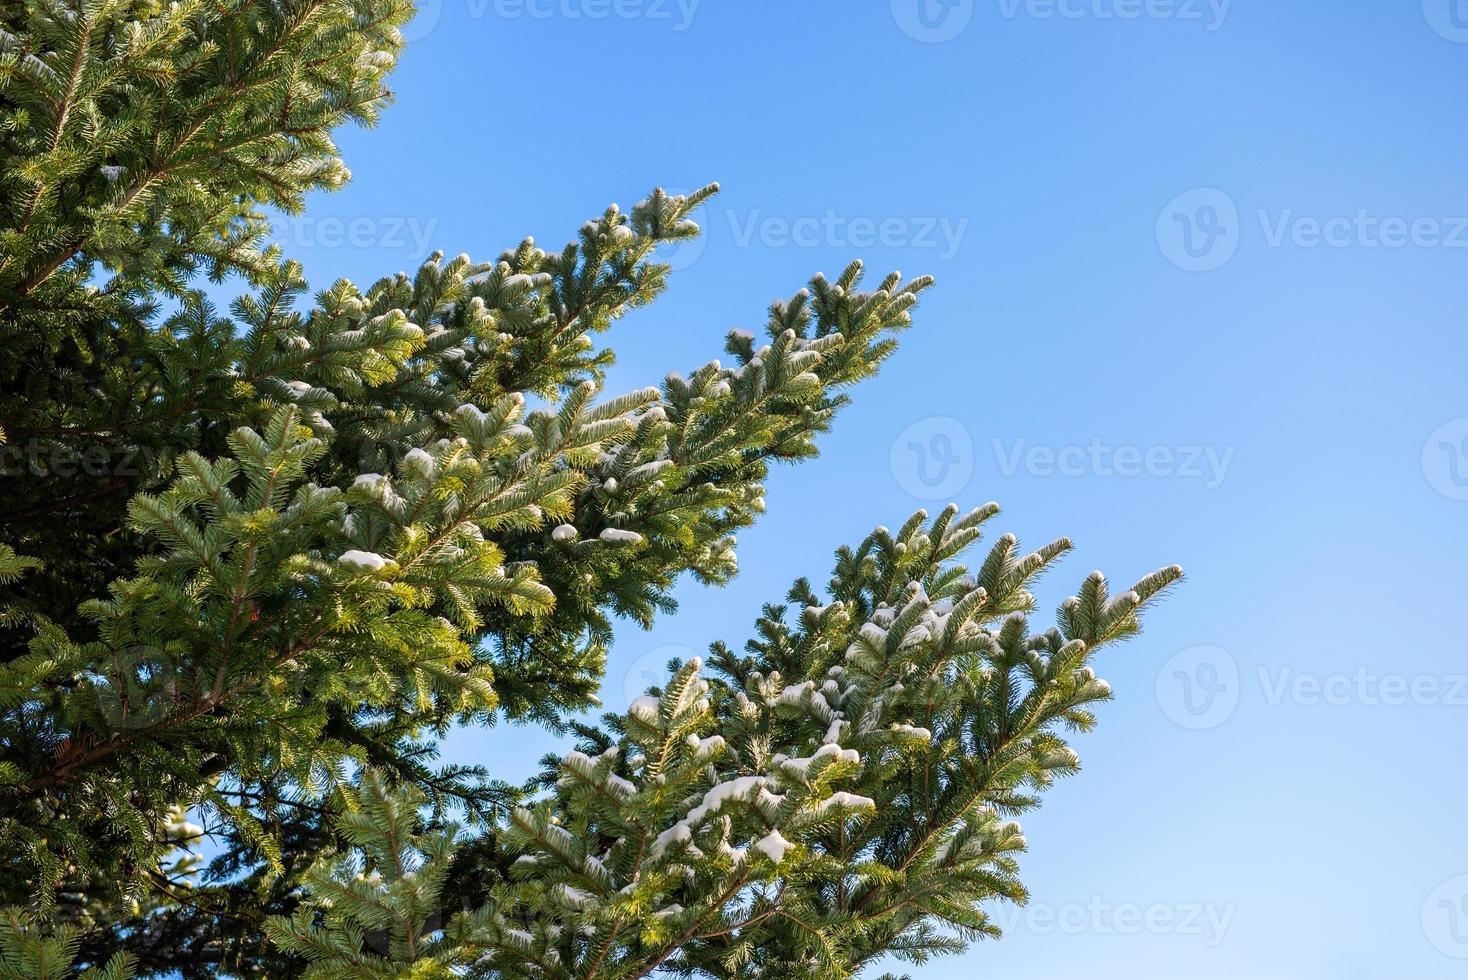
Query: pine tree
x,y
842,791
145,137
255,563
384,896
396,544
140,143
29,951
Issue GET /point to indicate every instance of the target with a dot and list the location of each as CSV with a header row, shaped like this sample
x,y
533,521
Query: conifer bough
x,y
255,564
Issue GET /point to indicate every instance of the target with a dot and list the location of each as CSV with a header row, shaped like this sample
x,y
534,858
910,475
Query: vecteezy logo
x,y
650,670
1198,231
1449,18
1199,687
932,21
682,254
424,21
933,459
1445,918
1445,459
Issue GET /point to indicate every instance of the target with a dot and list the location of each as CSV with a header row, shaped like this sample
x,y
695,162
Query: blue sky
x,y
1200,300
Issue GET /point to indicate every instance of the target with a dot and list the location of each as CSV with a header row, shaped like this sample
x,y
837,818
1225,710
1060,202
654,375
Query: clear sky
x,y
1201,292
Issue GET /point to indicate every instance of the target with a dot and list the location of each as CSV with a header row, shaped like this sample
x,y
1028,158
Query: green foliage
x,y
255,562
840,792
30,952
391,543
139,143
144,137
381,901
